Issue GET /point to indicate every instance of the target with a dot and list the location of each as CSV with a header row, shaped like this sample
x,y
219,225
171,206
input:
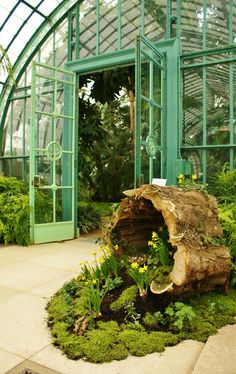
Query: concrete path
x,y
29,276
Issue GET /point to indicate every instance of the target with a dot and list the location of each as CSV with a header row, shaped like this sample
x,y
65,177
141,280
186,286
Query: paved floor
x,y
29,276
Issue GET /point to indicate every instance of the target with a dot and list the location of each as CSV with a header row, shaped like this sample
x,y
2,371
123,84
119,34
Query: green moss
x,y
106,341
110,326
81,303
127,296
140,343
103,346
61,309
150,319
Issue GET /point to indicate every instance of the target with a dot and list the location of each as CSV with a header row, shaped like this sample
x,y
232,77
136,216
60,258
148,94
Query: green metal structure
x,y
184,53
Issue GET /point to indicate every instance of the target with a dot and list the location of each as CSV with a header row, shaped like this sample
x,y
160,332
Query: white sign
x,y
159,181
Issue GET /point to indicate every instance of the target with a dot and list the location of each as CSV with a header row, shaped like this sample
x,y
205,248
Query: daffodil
x,y
100,249
102,260
83,278
143,269
116,247
134,265
94,281
154,235
107,248
194,177
94,253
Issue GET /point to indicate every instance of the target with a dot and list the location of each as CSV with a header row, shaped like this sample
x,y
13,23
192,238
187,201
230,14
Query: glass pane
x,y
44,131
216,158
157,125
27,127
191,25
66,174
61,44
195,157
145,78
88,18
6,136
217,23
157,84
218,111
192,107
157,165
44,169
155,19
65,138
43,206
44,95
17,127
17,168
131,22
144,119
144,165
108,26
46,51
63,205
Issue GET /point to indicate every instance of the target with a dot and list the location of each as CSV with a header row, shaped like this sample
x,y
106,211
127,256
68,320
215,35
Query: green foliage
x,y
14,207
141,276
227,217
223,185
95,296
159,251
180,314
5,63
128,296
105,139
88,218
153,319
131,314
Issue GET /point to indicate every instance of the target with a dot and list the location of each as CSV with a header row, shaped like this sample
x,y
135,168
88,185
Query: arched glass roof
x,y
20,19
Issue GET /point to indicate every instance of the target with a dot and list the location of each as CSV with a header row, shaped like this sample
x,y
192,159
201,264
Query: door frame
x,y
127,57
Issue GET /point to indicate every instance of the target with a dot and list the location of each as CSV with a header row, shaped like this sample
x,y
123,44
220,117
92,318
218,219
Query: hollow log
x,y
201,262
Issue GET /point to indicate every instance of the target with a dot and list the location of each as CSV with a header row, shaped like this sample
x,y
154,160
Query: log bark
x,y
200,261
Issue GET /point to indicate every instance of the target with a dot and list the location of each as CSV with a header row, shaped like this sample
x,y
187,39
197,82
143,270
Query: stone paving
x,y
29,276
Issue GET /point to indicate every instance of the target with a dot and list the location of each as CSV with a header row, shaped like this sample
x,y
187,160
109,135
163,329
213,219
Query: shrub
x,y
14,208
88,218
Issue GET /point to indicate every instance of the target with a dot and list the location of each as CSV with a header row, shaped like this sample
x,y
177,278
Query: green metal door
x,y
150,70
52,154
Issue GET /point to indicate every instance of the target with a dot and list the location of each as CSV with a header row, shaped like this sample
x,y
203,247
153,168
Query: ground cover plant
x,y
108,312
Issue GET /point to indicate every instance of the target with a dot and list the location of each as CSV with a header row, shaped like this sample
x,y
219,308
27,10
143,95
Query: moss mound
x,y
142,333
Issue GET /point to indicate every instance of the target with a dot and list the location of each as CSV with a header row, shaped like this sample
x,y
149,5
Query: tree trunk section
x,y
200,261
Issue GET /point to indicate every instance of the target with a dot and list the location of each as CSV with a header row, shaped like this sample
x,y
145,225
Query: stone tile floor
x,y
29,276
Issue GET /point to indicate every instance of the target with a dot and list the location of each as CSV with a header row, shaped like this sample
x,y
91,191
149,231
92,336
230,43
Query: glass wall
x,y
206,32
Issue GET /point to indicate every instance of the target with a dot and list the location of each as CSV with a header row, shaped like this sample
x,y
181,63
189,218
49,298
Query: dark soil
x,y
152,303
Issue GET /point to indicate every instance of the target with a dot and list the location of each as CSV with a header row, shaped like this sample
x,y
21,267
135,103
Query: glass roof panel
x,y
19,19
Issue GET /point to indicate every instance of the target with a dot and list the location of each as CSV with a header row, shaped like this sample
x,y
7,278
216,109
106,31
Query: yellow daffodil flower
x,y
94,281
94,253
134,265
194,177
116,247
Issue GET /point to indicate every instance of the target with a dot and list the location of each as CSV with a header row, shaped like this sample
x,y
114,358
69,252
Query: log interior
x,y
137,222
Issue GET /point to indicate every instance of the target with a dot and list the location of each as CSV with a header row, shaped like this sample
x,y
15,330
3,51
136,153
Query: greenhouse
x,y
162,72
117,186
